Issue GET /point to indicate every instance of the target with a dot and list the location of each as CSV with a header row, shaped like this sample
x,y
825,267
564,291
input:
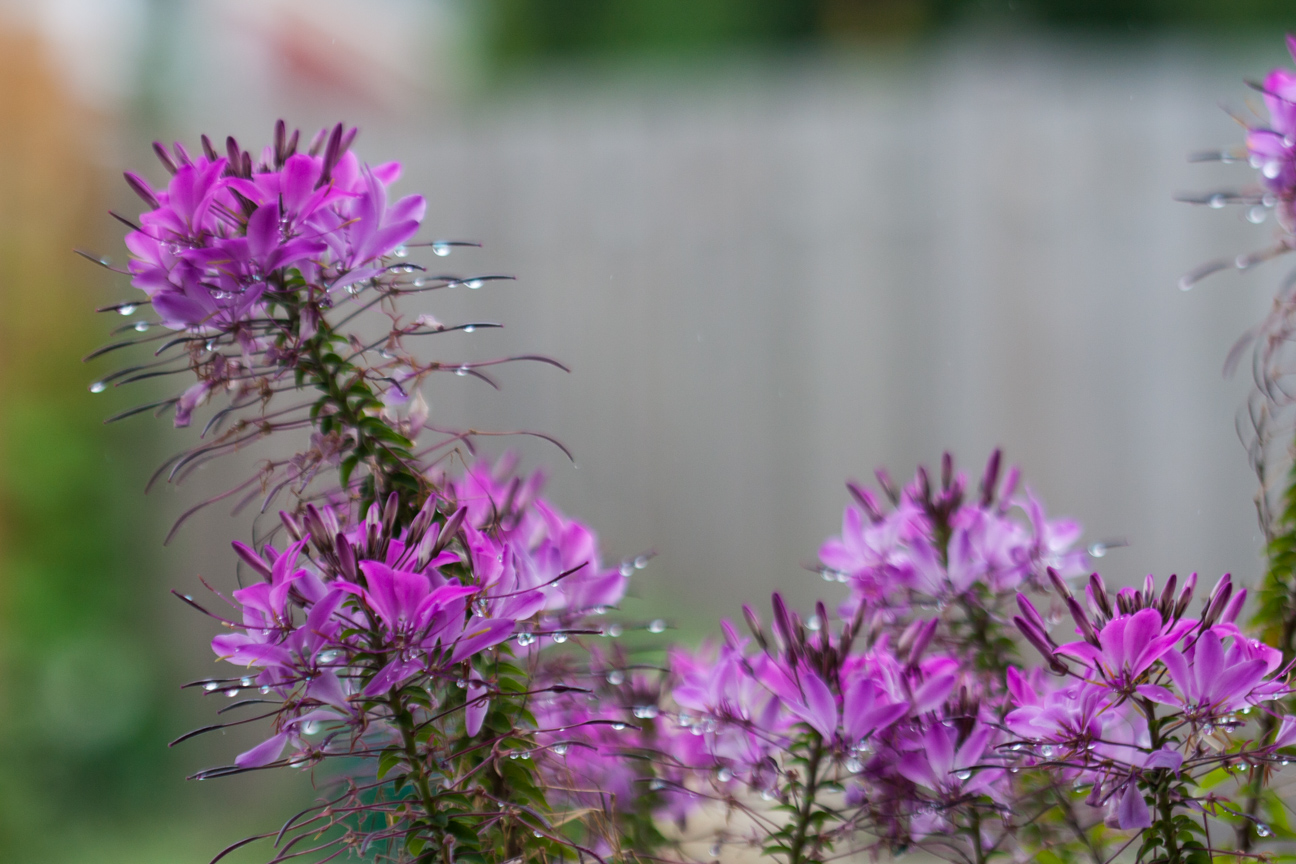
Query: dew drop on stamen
x,y
441,249
232,692
246,682
626,569
616,677
469,329
657,625
963,775
128,309
854,766
813,624
560,638
560,749
1097,550
98,387
461,371
474,284
645,712
656,785
641,562
141,326
614,631
1271,169
767,795
265,688
1263,830
618,726
420,282
400,252
715,849
524,639
1256,215
210,686
1216,202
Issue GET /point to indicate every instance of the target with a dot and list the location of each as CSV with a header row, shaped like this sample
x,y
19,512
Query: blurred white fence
x,y
768,279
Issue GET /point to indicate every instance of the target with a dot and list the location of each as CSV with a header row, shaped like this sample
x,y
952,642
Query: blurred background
x,y
779,242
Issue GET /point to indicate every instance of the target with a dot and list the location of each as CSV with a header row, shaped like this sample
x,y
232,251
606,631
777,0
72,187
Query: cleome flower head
x,y
226,229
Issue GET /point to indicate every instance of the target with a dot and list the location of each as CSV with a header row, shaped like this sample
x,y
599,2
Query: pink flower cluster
x,y
353,612
1272,148
225,230
1144,689
937,545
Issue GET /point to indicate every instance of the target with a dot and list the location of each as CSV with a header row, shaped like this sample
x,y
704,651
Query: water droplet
x,y
963,775
854,766
232,692
400,252
98,387
645,712
211,344
599,610
310,727
626,569
767,795
524,639
461,371
513,755
560,638
265,688
641,562
724,775
616,677
715,849
470,329
618,726
814,624
1242,766
246,682
1097,550
420,282
537,833
1271,169
1285,762
614,631
560,749
210,686
1186,283
656,785
828,575
141,326
657,625
474,284
441,249
461,683
1216,202
329,656
1256,215
127,309
1263,830
1269,200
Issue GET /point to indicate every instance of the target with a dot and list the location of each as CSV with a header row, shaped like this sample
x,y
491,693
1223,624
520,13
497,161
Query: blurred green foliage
x,y
522,29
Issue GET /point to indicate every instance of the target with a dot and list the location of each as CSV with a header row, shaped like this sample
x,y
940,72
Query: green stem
x,y
806,810
1162,789
418,770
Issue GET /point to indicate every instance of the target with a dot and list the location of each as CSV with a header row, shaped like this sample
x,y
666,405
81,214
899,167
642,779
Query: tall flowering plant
x,y
397,626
